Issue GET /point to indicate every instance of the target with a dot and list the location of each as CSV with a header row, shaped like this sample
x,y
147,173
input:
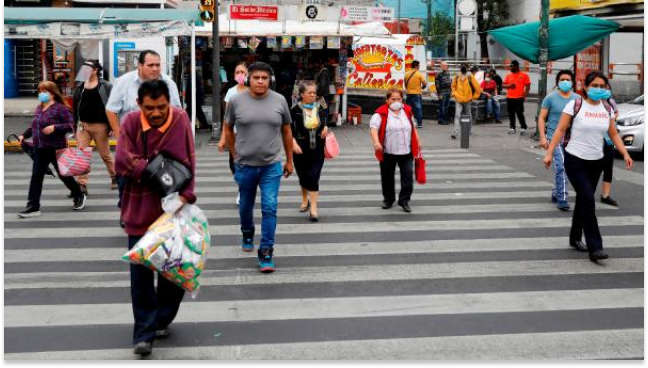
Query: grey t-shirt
x,y
258,123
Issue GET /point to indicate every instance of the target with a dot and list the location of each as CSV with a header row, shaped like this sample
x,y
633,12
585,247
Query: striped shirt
x,y
398,132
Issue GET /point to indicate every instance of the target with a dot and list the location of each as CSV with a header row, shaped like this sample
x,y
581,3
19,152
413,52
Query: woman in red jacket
x,y
396,142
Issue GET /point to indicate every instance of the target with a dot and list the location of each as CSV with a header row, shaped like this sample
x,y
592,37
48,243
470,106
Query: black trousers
x,y
153,309
309,164
608,162
584,175
388,170
515,107
43,157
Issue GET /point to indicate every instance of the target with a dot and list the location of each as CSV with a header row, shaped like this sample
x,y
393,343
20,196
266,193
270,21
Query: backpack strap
x,y
578,103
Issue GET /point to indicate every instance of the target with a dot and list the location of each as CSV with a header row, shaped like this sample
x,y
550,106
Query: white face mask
x,y
396,106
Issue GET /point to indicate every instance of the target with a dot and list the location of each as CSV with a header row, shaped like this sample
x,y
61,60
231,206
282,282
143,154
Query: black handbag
x,y
165,174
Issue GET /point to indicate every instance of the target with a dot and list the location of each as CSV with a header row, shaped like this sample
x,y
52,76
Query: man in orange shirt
x,y
518,85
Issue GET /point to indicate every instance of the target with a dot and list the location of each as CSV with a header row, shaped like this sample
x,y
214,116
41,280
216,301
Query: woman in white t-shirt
x,y
584,158
240,74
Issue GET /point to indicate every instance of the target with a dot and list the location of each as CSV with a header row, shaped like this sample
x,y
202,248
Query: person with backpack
x,y
550,113
414,84
465,89
584,123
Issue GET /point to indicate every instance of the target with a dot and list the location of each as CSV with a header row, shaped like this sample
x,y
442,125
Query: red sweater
x,y
142,205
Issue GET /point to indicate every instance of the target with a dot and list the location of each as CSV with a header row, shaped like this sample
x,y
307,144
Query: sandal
x,y
304,209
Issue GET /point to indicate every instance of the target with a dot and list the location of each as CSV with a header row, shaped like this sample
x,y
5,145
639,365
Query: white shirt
x,y
123,97
398,132
587,130
231,93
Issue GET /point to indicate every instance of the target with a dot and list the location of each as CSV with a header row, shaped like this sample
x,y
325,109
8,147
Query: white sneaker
x,y
238,199
511,131
522,131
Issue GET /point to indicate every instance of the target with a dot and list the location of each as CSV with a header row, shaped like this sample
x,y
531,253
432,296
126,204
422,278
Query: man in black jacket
x,y
443,83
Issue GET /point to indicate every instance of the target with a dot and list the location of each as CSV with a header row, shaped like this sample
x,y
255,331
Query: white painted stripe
x,y
606,344
294,187
326,169
286,198
376,176
337,228
294,275
219,230
325,308
316,249
327,212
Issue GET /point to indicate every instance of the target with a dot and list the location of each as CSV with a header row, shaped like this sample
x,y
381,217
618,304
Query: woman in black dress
x,y
309,132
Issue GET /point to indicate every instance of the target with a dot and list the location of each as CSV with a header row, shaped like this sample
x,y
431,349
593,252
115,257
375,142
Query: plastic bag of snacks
x,y
176,246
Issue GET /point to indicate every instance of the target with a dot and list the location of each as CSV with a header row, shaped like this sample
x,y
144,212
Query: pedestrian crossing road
x,y
480,269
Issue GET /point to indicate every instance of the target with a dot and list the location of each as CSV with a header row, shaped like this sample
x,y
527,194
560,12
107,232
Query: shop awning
x,y
567,36
229,27
17,15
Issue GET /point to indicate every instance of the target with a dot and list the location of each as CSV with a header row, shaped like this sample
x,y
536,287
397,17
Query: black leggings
x,y
608,162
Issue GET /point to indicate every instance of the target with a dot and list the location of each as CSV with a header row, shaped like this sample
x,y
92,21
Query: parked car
x,y
630,124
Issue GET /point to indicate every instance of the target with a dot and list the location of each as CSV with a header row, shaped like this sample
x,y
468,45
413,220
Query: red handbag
x,y
419,170
331,147
74,161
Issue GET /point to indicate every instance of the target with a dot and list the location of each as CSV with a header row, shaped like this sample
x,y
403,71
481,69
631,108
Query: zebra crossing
x,y
479,270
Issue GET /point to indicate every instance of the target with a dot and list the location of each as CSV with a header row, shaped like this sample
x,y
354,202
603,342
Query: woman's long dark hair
x,y
50,87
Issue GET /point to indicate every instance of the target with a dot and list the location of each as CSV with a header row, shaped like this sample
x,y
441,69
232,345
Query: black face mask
x,y
463,70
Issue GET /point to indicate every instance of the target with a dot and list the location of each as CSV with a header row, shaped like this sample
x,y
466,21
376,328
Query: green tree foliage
x,y
441,29
491,14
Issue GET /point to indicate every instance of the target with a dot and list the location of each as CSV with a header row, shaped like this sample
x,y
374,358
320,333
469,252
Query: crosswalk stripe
x,y
597,344
419,272
325,228
329,212
284,309
324,199
227,251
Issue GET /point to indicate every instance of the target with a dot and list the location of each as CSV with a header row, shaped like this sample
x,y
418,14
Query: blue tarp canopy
x,y
567,36
17,15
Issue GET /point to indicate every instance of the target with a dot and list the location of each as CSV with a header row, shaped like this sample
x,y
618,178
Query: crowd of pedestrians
x,y
142,110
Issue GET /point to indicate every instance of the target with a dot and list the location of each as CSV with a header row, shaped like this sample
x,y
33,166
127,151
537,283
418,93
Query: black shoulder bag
x,y
166,175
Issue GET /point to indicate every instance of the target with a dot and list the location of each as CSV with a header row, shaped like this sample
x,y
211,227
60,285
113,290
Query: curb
x,y
15,146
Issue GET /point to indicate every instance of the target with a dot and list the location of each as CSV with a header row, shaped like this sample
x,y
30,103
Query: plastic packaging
x,y
176,246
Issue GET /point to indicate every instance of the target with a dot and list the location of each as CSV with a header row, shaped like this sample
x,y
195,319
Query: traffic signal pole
x,y
543,58
216,82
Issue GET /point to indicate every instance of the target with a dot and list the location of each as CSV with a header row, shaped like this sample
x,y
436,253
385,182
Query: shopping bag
x,y
74,161
176,246
331,147
419,170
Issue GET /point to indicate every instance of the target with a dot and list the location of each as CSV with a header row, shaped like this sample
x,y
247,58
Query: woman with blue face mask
x,y
52,121
550,113
586,121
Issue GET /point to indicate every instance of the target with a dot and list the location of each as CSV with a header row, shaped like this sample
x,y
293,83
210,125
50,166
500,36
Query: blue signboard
x,y
120,46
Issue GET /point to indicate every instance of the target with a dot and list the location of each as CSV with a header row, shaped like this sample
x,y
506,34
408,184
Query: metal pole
x,y
399,17
429,26
216,82
456,48
194,106
543,58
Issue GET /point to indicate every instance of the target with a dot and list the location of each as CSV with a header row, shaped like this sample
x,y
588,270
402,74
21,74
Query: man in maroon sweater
x,y
167,130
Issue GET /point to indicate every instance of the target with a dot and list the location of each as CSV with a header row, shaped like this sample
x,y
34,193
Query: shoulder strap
x,y
145,142
608,108
578,103
409,79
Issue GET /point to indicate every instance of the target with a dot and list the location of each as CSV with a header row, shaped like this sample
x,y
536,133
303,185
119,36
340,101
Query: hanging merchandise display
x,y
333,42
228,42
316,42
254,43
271,42
300,42
242,43
286,42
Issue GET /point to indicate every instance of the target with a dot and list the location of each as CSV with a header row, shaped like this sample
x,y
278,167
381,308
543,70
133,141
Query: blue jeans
x,y
268,179
493,107
560,178
416,102
444,104
153,309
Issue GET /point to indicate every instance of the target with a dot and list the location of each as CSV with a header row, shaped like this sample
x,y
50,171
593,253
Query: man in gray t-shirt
x,y
262,119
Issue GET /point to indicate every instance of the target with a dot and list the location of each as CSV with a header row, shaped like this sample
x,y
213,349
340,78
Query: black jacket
x,y
104,91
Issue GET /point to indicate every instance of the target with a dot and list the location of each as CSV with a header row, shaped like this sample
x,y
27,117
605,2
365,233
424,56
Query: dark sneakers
x,y
79,203
405,206
266,262
387,205
598,255
578,245
609,201
162,333
247,244
29,212
143,348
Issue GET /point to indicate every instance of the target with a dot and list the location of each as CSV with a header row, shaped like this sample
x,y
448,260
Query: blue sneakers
x,y
248,244
554,199
266,263
563,205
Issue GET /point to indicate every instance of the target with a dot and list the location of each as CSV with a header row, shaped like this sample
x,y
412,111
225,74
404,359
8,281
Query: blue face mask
x,y
607,94
44,97
596,94
565,86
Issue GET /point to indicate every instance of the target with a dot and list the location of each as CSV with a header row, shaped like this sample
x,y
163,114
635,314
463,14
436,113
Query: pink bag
x,y
73,161
331,148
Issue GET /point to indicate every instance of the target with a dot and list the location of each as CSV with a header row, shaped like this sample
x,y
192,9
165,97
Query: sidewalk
x,y
350,137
